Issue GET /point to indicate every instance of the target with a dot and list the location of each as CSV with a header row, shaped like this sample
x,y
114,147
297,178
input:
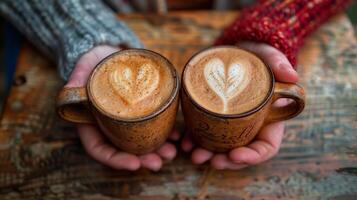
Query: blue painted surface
x,y
12,42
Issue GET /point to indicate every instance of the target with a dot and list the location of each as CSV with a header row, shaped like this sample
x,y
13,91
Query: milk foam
x,y
132,84
227,80
134,87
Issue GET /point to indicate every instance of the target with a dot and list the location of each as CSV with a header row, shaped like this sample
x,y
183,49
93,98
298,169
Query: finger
x,y
221,161
96,146
187,144
263,148
151,161
175,135
280,65
167,151
282,102
199,156
283,72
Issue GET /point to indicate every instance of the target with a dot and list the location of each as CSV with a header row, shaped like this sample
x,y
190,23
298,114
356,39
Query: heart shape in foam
x,y
135,85
226,83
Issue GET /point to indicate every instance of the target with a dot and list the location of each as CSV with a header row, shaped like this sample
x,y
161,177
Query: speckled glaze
x,y
139,135
223,132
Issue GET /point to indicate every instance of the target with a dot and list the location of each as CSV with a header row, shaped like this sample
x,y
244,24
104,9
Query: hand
x,y
268,140
92,139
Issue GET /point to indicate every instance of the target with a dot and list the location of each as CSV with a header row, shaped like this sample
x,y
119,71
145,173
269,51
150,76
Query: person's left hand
x,y
92,138
267,143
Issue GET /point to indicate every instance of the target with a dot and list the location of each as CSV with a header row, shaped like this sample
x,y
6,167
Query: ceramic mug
x,y
223,132
140,135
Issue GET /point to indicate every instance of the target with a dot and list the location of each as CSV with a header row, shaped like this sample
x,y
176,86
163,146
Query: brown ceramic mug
x,y
132,95
227,95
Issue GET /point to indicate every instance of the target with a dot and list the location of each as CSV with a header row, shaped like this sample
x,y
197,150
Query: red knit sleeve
x,y
281,23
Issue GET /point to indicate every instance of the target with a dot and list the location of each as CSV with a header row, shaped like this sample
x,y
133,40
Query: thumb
x,y
275,59
86,63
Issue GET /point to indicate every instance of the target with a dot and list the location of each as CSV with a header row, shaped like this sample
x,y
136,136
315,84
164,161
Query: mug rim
x,y
230,116
153,114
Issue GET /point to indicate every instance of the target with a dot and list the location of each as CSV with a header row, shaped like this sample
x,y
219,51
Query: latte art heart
x,y
225,82
134,86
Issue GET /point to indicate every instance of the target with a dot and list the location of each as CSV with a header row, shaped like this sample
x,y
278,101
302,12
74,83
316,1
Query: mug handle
x,y
72,105
291,91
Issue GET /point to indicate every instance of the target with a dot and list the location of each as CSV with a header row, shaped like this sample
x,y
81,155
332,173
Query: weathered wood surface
x,y
42,158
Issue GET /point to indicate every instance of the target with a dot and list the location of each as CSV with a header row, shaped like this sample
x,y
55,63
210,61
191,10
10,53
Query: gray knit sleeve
x,y
66,29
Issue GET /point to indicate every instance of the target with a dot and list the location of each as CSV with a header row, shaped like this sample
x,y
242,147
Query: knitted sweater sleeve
x,y
66,29
281,23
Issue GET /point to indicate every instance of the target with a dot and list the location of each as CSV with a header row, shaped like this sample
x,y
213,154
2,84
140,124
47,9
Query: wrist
x,y
282,24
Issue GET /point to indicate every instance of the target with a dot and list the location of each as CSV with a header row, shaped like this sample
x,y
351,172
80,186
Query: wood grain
x,y
42,158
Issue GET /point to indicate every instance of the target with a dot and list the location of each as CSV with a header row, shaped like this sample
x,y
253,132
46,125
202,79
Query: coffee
x,y
227,80
132,84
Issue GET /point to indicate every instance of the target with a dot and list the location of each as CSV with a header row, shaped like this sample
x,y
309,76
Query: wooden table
x,y
42,158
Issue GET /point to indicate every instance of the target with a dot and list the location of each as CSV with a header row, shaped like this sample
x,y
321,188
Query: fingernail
x,y
287,67
238,161
155,168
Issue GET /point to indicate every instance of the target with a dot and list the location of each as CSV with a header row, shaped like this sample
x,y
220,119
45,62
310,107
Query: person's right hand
x,y
267,142
94,142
